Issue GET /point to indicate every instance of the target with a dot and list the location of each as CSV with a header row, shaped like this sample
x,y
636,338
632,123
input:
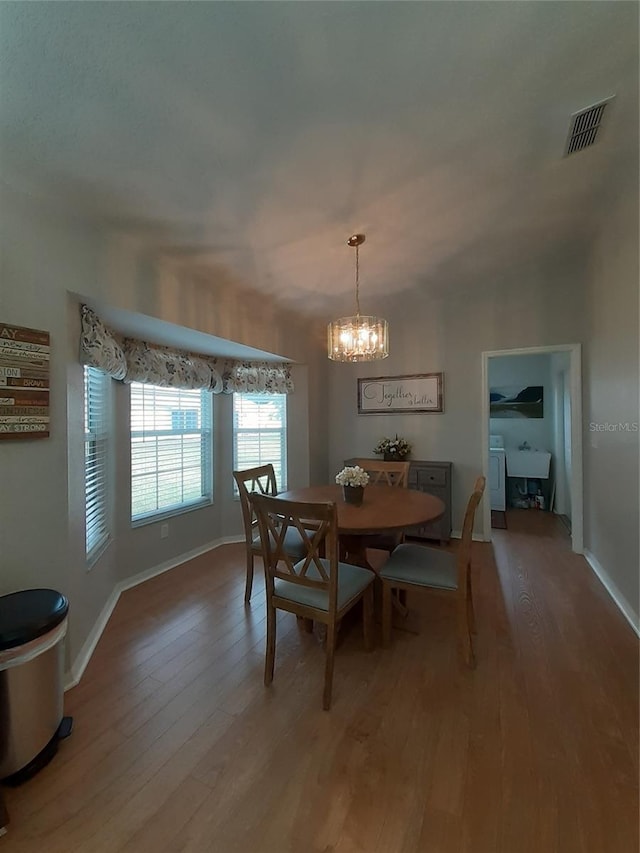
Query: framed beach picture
x,y
516,401
415,393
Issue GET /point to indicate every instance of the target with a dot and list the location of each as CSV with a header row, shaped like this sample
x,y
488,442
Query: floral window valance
x,y
138,361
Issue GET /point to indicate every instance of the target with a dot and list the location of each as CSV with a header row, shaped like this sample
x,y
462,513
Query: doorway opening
x,y
531,434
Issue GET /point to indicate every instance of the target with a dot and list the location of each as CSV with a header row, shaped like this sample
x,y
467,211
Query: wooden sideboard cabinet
x,y
434,478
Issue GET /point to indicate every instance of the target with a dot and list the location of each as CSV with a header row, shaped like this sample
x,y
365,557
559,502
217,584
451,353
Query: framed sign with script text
x,y
24,382
382,395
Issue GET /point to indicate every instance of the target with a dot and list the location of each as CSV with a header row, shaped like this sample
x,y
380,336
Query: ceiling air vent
x,y
585,127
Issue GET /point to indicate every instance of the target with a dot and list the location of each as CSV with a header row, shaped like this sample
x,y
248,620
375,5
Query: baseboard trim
x,y
160,569
476,537
72,678
618,598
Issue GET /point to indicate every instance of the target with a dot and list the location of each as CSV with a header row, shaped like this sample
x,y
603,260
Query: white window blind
x,y
171,465
96,448
260,433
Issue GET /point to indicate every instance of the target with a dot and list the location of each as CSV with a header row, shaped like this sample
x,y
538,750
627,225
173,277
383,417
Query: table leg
x,y
353,551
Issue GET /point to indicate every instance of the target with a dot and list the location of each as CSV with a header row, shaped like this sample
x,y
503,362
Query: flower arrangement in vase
x,y
353,479
393,448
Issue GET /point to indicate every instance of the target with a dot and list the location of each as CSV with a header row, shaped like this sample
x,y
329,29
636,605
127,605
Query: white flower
x,y
355,476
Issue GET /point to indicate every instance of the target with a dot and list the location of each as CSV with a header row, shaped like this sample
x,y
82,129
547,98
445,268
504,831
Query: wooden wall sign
x,y
24,382
386,395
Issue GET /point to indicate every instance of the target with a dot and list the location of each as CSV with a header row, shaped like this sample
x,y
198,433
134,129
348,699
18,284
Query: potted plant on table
x,y
393,448
353,479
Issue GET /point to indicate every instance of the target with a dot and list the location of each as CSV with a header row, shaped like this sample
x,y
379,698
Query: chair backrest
x,y
262,480
317,525
464,551
385,473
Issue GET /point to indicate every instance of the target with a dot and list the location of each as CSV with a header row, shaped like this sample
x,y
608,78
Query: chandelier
x,y
357,338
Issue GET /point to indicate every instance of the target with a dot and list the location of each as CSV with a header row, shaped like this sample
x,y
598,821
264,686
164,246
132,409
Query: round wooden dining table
x,y
384,509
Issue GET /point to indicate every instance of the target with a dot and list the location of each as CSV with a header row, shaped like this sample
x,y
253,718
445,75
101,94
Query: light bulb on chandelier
x,y
359,337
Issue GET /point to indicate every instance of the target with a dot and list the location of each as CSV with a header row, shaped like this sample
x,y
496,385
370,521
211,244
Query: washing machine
x,y
497,477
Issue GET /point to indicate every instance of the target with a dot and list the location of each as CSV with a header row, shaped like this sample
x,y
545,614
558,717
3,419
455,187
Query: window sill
x,y
94,555
144,520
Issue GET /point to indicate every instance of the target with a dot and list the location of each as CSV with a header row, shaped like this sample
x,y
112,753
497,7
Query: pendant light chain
x,y
357,280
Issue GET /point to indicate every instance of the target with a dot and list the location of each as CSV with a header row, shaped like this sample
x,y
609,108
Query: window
x,y
97,387
260,433
187,419
171,467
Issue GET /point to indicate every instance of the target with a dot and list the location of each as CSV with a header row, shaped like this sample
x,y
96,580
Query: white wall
x,y
523,370
611,399
42,256
48,257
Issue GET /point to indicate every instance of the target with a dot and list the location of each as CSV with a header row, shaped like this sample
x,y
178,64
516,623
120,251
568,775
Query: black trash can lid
x,y
28,614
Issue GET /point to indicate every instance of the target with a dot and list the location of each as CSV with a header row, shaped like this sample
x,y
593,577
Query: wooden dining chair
x,y
318,586
413,566
385,474
261,479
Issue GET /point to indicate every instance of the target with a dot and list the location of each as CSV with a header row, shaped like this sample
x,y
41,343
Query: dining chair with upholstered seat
x,y
385,474
261,479
413,566
316,587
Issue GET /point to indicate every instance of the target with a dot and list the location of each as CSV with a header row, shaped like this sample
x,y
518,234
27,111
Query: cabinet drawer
x,y
434,478
438,493
434,530
426,477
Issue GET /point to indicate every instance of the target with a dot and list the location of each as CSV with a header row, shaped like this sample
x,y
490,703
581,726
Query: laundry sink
x,y
528,463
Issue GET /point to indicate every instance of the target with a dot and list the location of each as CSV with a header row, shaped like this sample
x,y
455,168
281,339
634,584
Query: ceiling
x,y
251,139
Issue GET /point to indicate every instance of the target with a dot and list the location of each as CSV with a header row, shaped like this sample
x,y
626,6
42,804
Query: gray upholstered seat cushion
x,y
352,580
293,544
421,566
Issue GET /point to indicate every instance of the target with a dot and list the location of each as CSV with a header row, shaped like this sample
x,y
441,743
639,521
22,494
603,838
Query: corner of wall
x,y
76,671
608,583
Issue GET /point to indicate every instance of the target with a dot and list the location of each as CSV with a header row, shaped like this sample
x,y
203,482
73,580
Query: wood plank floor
x,y
178,746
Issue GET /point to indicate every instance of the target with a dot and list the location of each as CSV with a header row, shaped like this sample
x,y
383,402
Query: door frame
x,y
575,372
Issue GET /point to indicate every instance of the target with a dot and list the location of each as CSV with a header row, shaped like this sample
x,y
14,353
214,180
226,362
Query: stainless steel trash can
x,y
33,624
